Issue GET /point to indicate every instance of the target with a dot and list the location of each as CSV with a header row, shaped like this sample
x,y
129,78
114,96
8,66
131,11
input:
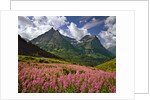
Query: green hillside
x,y
29,49
108,66
31,59
89,52
92,45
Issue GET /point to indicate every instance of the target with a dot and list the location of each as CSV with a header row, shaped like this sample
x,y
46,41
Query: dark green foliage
x,y
43,61
66,70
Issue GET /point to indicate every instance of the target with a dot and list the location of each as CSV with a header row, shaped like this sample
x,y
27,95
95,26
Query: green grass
x,y
41,60
108,66
32,59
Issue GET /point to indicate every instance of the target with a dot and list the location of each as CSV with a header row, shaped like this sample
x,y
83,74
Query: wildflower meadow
x,y
63,78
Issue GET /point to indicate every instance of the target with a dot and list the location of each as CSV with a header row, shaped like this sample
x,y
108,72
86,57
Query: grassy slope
x,y
108,66
41,60
30,59
66,68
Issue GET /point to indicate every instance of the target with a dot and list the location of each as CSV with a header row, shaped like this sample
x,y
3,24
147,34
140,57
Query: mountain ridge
x,y
92,45
53,41
29,49
88,51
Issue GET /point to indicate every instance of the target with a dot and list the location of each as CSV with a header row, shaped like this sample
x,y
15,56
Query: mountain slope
x,y
70,40
29,49
91,45
85,53
108,66
53,41
112,50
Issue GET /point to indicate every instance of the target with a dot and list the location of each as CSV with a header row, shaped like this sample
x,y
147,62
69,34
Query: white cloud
x,y
109,36
84,19
32,32
92,23
24,21
76,32
57,21
31,28
110,21
63,33
39,20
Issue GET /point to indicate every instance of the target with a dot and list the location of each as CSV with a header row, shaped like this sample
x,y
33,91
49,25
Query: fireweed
x,y
63,78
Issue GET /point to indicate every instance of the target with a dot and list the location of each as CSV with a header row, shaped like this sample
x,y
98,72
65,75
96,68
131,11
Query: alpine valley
x,y
66,54
87,51
53,63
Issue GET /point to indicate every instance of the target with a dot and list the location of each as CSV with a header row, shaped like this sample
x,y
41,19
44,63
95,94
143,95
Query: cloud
x,y
32,32
63,33
57,21
76,32
109,36
24,21
92,23
110,21
30,28
84,19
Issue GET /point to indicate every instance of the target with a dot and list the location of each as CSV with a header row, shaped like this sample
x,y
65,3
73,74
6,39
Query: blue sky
x,y
104,27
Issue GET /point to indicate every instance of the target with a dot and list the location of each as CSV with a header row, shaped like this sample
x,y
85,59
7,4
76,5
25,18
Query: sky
x,y
104,27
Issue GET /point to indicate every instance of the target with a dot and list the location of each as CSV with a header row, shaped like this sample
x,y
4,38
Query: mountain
x,y
85,38
88,51
53,41
91,45
27,48
27,40
70,40
112,50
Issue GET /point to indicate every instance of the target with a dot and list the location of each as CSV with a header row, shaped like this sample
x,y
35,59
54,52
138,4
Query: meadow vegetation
x,y
48,75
